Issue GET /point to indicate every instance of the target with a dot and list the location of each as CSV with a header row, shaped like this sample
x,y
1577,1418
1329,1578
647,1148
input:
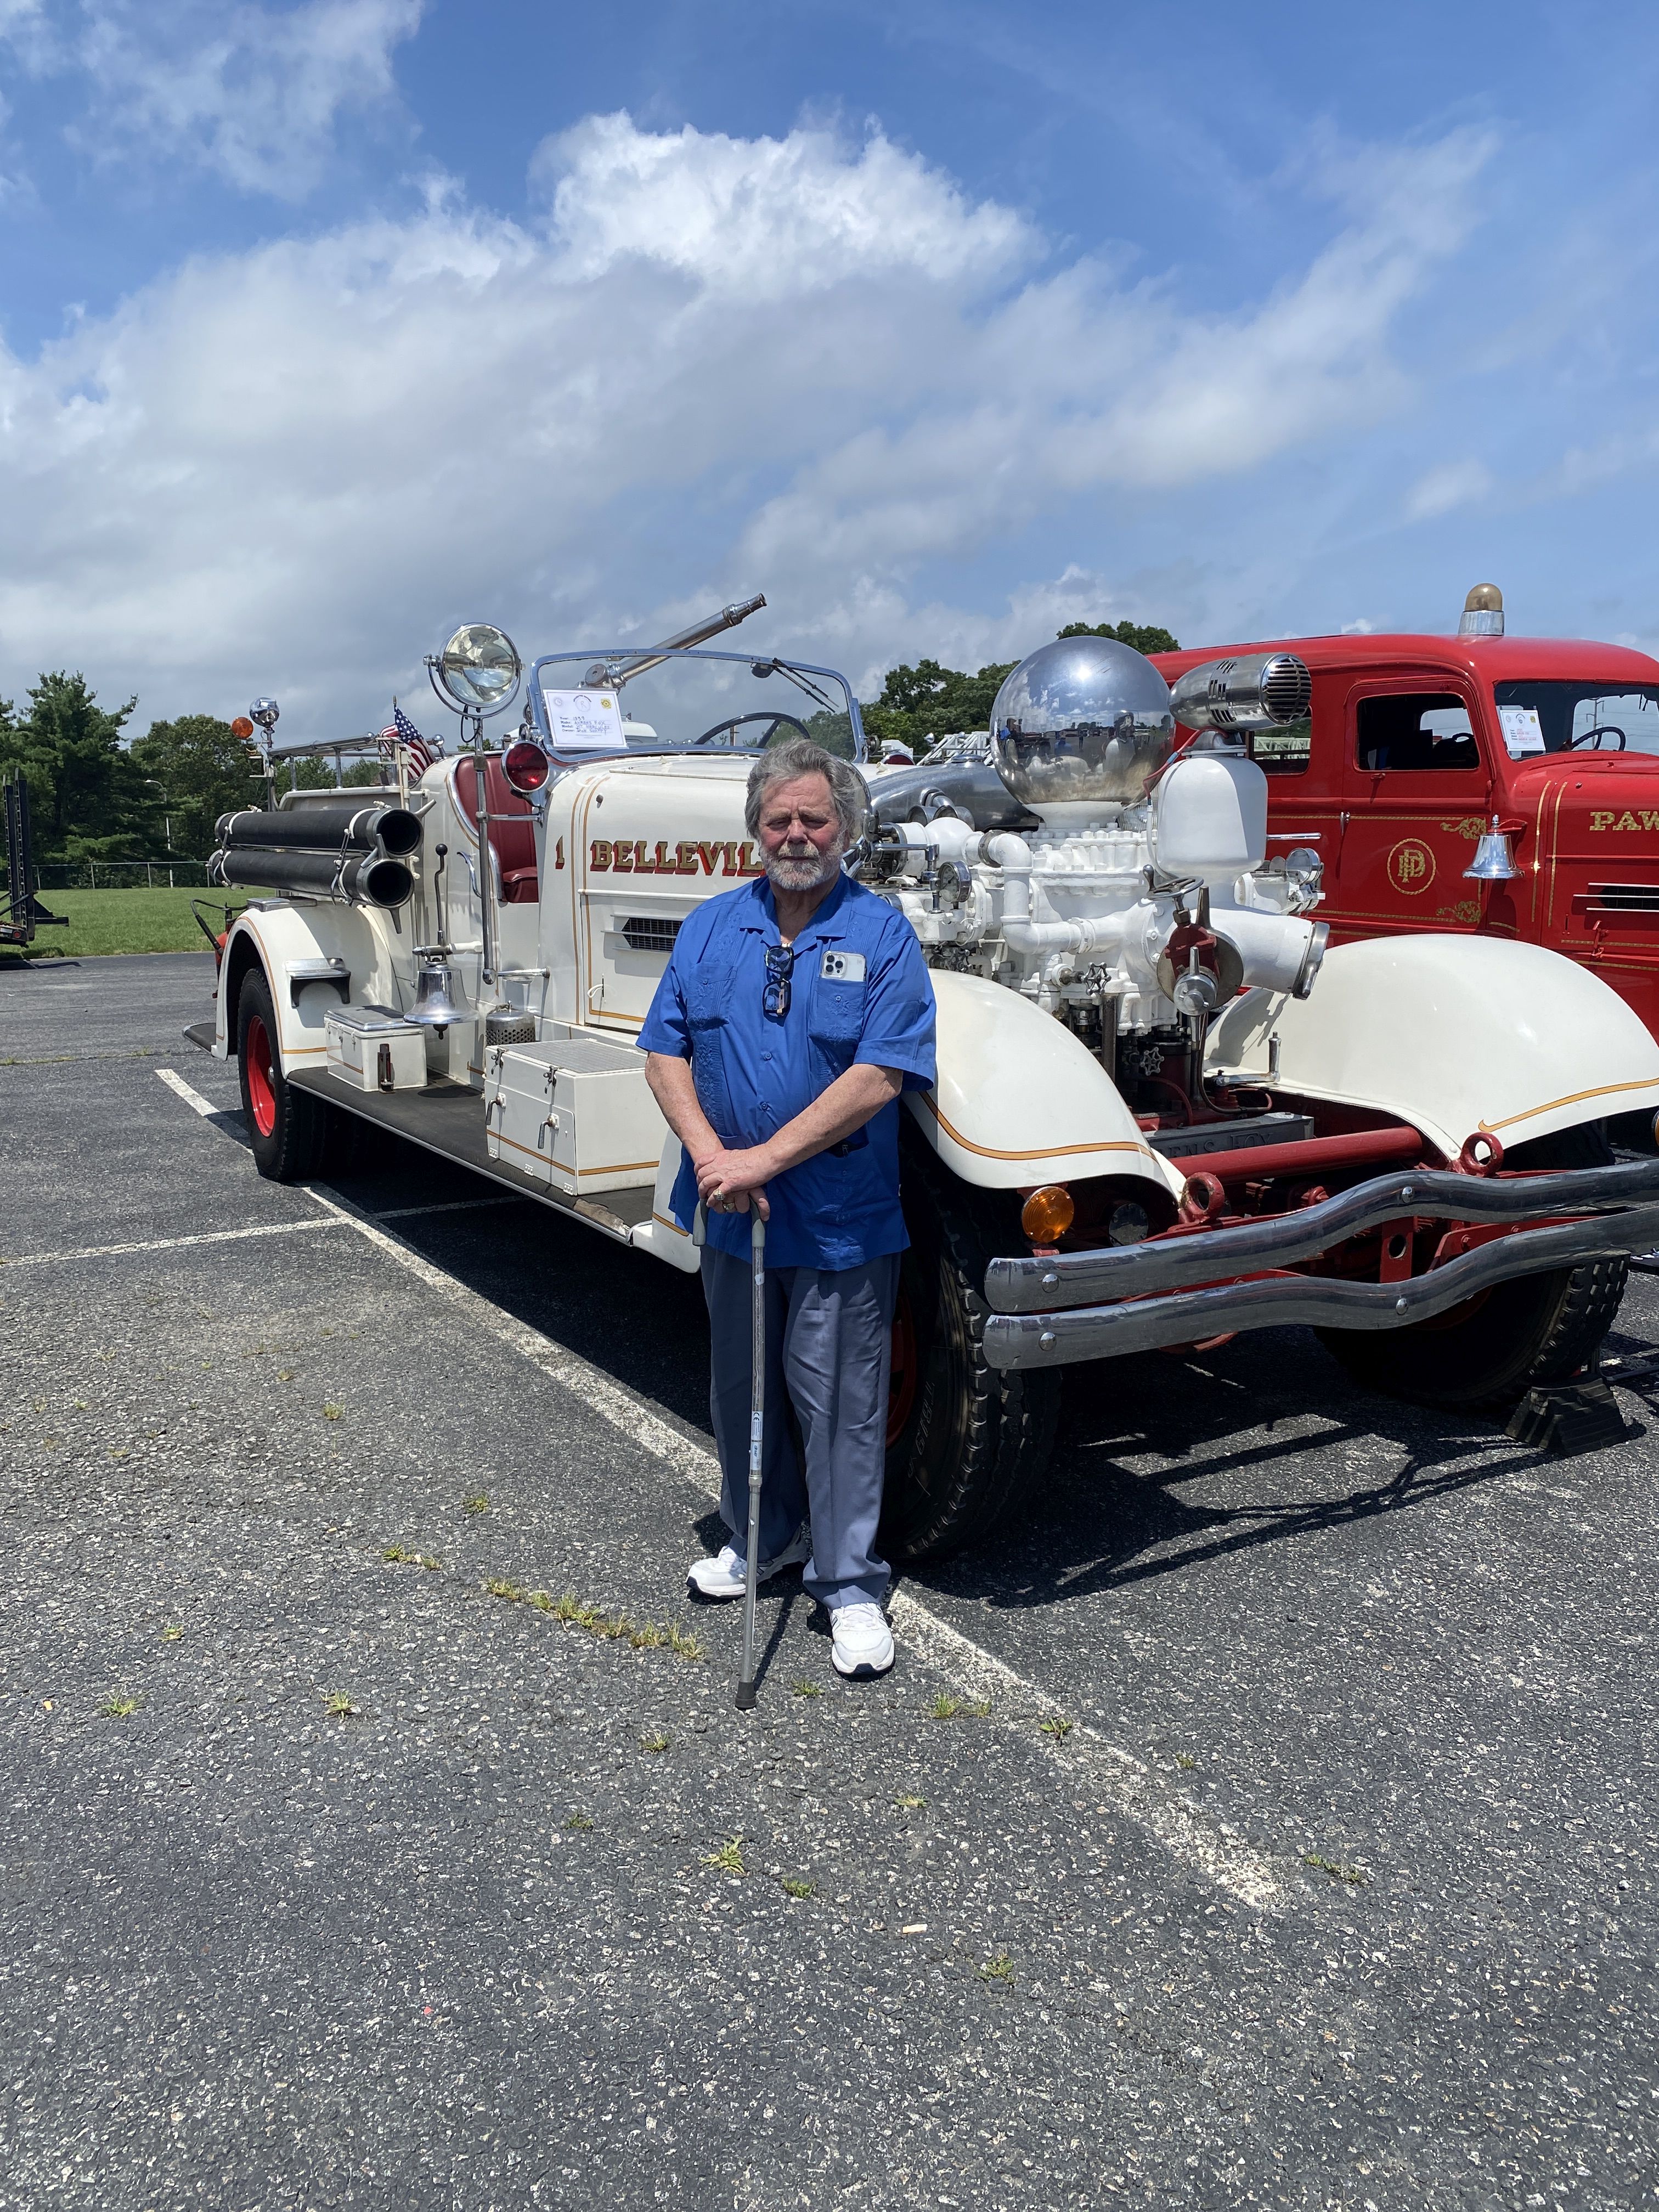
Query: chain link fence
x,y
174,872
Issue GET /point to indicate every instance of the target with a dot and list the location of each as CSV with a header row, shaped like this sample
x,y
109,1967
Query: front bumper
x,y
1180,1290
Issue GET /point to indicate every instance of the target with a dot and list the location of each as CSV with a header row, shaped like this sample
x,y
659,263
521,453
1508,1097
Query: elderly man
x,y
793,1014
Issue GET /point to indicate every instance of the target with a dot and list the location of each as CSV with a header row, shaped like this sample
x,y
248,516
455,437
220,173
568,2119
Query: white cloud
x,y
252,94
719,366
1454,483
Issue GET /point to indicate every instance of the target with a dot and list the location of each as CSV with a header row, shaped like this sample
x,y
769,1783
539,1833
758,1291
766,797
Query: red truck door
x,y
1303,765
1417,785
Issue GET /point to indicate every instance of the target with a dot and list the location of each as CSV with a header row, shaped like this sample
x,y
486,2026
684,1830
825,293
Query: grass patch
x,y
1057,1728
478,1503
137,920
792,1888
172,1632
400,1557
1000,1969
805,1689
909,1804
120,1707
338,1706
949,1709
655,1743
579,1821
331,1411
1185,1758
726,1857
1332,1867
609,1627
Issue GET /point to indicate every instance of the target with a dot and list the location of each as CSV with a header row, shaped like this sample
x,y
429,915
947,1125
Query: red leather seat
x,y
512,827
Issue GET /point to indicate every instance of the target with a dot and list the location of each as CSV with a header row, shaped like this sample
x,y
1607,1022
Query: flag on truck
x,y
400,731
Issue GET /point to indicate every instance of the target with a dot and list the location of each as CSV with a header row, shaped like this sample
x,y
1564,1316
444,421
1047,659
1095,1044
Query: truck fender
x,y
661,1234
286,942
1459,1036
1020,1101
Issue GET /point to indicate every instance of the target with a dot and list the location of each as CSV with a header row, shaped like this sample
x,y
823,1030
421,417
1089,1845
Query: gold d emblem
x,y
1410,866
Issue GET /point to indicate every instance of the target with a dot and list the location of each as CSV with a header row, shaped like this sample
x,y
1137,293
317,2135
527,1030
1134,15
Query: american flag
x,y
400,731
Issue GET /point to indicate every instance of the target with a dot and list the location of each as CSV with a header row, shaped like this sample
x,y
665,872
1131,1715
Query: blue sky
x,y
325,326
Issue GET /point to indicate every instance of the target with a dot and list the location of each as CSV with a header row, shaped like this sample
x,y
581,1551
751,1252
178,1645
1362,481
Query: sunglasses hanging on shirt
x,y
774,996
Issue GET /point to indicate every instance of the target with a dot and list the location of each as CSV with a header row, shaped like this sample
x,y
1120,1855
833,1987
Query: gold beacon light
x,y
1483,613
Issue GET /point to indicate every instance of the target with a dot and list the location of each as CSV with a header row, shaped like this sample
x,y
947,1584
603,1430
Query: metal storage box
x,y
373,1048
575,1112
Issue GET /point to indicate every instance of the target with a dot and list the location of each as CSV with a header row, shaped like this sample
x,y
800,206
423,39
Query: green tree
x,y
87,797
930,701
1145,637
198,771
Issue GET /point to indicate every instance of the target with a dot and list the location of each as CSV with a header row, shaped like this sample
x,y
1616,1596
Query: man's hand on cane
x,y
727,1182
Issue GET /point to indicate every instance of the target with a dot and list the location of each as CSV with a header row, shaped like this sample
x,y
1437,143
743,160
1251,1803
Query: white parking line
x,y
166,1244
1210,1847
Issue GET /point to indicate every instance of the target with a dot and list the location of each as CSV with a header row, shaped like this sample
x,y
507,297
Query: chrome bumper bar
x,y
1039,1318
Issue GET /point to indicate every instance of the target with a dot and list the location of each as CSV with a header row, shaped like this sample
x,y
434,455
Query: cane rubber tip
x,y
746,1699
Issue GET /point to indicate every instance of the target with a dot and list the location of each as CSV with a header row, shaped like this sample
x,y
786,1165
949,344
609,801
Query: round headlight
x,y
479,668
525,765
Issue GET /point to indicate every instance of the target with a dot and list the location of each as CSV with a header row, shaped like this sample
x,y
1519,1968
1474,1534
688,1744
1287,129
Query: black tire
x,y
1484,1356
973,1440
287,1132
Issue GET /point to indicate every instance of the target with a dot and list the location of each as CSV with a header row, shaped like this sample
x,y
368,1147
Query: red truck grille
x,y
1618,898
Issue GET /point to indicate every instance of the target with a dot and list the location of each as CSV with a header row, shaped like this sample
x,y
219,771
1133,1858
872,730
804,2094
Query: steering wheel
x,y
1602,730
770,715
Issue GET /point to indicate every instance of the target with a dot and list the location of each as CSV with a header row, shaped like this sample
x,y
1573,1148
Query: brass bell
x,y
1493,861
435,1001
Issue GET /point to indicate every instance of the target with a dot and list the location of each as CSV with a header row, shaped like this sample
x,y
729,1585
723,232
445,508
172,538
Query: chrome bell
x,y
434,1002
1493,861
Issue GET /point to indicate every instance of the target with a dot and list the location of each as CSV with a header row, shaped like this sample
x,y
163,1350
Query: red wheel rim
x,y
903,1377
261,1077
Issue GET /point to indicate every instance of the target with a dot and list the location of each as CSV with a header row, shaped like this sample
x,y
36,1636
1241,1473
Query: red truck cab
x,y
1413,744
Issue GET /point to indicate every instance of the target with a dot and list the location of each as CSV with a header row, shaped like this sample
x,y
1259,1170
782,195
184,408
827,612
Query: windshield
x,y
1559,716
690,702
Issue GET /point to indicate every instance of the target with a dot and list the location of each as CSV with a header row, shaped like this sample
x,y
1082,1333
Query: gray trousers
x,y
828,1340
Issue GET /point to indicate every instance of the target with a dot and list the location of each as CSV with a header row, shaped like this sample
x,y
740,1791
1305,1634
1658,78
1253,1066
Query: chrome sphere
x,y
1081,723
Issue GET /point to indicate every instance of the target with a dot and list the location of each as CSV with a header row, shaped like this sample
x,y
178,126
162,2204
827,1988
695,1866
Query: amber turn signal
x,y
1047,1214
241,727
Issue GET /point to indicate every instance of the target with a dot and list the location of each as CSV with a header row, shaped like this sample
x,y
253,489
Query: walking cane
x,y
746,1697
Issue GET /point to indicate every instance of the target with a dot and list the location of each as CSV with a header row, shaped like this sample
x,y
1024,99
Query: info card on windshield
x,y
584,721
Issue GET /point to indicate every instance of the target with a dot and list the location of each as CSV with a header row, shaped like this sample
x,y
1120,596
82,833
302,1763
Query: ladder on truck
x,y
21,912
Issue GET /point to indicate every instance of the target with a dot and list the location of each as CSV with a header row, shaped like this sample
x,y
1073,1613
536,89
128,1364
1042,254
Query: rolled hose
x,y
324,826
362,879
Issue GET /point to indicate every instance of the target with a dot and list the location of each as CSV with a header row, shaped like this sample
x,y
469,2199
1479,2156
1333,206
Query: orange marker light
x,y
1047,1214
241,727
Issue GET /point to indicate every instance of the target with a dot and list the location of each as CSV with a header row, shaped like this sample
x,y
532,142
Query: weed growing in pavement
x,y
1185,1758
400,1557
654,1742
1055,1727
609,1627
338,1706
172,1632
909,1804
331,1411
797,1889
728,1857
1000,1969
1332,1867
285,1374
120,1707
478,1503
579,1821
951,1709
805,1689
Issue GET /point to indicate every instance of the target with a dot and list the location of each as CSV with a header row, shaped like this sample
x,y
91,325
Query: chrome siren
x,y
1083,722
1243,691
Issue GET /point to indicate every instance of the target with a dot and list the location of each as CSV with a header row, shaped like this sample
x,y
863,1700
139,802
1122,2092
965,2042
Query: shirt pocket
x,y
708,994
836,1024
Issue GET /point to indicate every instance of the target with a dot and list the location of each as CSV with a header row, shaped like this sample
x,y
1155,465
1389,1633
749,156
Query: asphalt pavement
x,y
1267,1817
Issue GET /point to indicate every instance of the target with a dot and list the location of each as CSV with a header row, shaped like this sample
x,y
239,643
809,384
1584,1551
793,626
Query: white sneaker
x,y
862,1643
723,1575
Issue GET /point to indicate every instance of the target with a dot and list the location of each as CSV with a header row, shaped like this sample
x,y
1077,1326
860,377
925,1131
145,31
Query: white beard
x,y
790,872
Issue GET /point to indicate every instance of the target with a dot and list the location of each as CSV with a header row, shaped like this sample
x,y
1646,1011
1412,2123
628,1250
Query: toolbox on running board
x,y
577,1112
372,1049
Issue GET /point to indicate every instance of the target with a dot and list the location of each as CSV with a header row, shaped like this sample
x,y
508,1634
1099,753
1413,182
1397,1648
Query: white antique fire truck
x,y
1164,1113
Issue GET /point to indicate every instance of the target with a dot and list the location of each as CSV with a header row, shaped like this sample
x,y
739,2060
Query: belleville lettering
x,y
617,856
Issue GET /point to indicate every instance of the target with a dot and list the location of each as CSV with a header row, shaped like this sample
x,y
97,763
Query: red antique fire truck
x,y
1417,749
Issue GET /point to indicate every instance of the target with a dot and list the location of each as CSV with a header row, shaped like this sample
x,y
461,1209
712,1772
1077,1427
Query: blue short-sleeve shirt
x,y
859,994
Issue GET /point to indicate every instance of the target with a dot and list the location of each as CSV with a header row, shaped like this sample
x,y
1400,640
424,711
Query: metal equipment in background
x,y
744,1699
477,675
21,912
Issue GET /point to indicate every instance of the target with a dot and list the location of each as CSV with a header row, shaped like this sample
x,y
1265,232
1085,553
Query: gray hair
x,y
800,757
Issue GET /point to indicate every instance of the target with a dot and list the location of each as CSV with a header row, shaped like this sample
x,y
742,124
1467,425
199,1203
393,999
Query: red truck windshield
x,y
1555,716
